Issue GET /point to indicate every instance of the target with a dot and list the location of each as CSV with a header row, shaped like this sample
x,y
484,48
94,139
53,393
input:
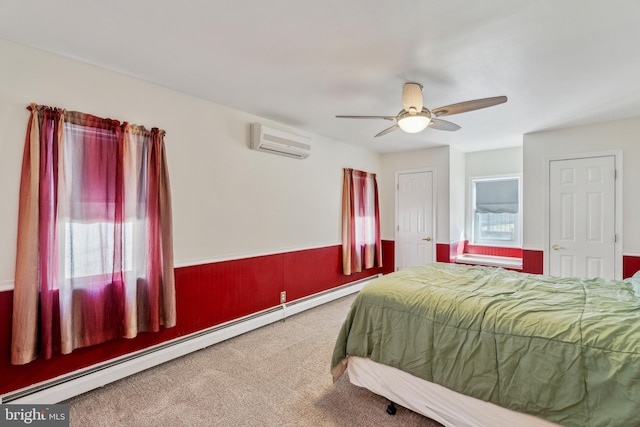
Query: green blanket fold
x,y
566,350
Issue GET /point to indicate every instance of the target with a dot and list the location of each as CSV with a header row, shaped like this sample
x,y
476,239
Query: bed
x,y
483,346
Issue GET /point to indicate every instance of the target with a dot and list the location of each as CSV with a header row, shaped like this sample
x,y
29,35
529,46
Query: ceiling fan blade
x,y
443,125
367,117
387,130
463,107
412,97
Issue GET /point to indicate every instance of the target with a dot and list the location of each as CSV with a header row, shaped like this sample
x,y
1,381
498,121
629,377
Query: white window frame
x,y
517,243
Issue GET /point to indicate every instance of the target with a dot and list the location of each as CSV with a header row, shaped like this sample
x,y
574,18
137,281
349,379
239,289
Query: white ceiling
x,y
300,62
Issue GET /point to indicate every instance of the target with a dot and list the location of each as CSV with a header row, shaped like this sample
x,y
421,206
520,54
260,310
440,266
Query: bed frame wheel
x,y
391,409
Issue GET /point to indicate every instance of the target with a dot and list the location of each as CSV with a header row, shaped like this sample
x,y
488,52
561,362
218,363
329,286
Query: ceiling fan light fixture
x,y
414,117
414,123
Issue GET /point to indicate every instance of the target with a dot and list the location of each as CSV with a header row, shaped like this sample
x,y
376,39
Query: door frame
x,y
617,155
434,197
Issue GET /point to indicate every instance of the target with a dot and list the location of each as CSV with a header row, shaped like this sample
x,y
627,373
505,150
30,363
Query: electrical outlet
x,y
283,297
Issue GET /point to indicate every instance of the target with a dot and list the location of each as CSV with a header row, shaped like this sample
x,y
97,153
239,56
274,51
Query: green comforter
x,y
567,350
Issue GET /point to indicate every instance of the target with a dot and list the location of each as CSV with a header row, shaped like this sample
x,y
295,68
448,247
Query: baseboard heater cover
x,y
81,381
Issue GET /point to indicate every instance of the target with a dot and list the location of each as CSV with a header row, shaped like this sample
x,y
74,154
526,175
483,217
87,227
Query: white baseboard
x,y
75,383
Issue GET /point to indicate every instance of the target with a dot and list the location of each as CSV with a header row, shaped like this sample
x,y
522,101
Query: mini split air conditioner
x,y
279,142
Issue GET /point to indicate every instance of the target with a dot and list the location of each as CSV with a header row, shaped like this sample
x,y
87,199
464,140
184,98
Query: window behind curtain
x,y
86,249
94,254
361,243
91,235
496,211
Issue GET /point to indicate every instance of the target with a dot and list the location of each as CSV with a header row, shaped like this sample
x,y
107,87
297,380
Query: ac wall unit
x,y
278,142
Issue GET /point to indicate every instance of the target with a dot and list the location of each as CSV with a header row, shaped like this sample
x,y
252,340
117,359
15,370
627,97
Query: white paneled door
x,y
415,235
582,217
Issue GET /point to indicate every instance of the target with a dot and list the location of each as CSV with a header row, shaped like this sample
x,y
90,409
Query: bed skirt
x,y
448,407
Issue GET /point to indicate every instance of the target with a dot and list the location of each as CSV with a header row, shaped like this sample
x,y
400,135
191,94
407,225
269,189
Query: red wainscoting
x,y
443,252
214,293
630,265
493,251
532,261
206,295
448,252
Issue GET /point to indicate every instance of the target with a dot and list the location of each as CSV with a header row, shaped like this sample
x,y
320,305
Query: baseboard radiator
x,y
75,383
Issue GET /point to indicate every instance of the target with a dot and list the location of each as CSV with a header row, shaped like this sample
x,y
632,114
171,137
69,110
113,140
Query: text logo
x,y
34,415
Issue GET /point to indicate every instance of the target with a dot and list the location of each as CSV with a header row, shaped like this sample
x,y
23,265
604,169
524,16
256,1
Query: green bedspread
x,y
567,350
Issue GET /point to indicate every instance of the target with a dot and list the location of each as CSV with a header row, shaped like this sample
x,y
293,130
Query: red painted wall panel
x,y
210,294
206,295
532,261
304,278
630,265
388,256
443,252
493,251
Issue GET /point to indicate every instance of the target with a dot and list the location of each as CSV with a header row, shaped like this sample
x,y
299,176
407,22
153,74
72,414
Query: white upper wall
x,y
457,185
540,147
436,159
452,170
506,161
228,201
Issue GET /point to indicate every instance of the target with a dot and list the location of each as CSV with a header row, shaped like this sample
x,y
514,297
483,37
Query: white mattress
x,y
448,407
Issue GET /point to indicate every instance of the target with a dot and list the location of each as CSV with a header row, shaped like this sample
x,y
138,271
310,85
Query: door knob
x,y
428,239
556,247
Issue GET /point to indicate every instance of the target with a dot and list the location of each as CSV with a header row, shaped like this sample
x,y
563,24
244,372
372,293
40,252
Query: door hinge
x,y
397,228
615,238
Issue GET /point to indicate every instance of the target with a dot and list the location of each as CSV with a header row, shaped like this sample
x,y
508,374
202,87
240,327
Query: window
x,y
361,245
89,248
496,214
95,257
97,240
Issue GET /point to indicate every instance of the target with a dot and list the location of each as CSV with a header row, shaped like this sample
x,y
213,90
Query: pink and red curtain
x,y
94,252
361,245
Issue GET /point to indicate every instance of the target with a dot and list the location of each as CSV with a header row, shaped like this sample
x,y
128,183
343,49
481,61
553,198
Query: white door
x,y
415,237
582,217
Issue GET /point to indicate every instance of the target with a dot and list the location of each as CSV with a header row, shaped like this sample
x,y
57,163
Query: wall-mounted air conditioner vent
x,y
279,142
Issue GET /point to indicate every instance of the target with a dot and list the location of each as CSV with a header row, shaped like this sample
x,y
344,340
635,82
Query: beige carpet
x,y
277,375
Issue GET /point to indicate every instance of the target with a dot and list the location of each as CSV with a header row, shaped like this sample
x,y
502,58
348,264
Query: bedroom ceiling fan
x,y
414,117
